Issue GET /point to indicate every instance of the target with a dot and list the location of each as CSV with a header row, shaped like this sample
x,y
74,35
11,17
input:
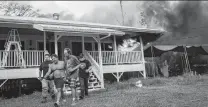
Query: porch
x,y
33,58
112,60
115,62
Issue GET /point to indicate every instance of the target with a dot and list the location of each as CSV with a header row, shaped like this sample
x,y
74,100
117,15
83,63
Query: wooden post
x,y
44,41
143,61
116,57
56,44
100,62
153,64
83,45
20,87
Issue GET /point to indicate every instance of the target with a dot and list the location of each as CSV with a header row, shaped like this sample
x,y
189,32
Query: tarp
x,y
156,52
159,50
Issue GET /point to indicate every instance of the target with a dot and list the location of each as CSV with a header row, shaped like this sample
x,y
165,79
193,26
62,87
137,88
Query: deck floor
x,y
122,68
19,73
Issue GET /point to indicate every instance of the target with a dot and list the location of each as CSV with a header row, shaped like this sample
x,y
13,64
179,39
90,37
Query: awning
x,y
73,29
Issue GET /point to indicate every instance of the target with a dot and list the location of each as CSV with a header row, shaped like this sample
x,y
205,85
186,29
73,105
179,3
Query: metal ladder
x,y
14,39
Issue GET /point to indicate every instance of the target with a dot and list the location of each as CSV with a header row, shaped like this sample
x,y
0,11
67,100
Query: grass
x,y
182,91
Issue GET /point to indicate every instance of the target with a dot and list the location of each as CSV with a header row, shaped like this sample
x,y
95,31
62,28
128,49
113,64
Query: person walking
x,y
47,84
72,72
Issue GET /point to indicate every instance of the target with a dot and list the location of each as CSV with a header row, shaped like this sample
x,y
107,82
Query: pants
x,y
47,87
84,86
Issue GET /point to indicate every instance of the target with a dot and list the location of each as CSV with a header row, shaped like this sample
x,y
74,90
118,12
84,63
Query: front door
x,y
76,48
51,48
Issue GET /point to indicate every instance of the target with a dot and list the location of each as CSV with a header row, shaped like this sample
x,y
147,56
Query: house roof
x,y
33,20
58,28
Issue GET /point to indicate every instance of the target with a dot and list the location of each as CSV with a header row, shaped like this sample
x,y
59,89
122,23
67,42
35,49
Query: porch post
x,y
44,42
143,61
56,44
83,45
100,61
116,57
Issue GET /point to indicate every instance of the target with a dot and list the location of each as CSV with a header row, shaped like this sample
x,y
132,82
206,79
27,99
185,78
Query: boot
x,y
56,104
74,102
53,97
44,100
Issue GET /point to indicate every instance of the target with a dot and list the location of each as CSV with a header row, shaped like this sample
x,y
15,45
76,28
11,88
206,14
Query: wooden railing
x,y
32,58
123,57
95,65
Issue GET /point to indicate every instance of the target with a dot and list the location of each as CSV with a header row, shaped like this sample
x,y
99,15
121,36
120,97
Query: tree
x,y
122,12
17,9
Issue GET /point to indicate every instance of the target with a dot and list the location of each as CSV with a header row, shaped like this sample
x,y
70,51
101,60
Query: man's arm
x,y
90,68
49,71
70,68
70,62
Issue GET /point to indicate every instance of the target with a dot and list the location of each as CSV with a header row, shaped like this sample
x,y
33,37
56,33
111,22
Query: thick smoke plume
x,y
178,17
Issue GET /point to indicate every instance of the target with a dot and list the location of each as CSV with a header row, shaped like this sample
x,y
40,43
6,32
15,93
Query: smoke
x,y
179,17
112,15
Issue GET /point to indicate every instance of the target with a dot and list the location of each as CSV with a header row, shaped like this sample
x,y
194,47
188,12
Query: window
x,y
2,43
104,46
88,46
108,46
51,48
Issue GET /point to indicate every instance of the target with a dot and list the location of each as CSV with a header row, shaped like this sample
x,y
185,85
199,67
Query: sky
x,y
78,8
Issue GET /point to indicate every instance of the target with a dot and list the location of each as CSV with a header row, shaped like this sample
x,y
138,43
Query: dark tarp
x,y
194,50
156,52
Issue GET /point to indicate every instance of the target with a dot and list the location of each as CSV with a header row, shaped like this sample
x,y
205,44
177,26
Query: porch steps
x,y
94,83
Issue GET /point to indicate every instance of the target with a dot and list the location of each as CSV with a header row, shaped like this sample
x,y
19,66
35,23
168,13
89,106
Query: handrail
x,y
95,65
123,57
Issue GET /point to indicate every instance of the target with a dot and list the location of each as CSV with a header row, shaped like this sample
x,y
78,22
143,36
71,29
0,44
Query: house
x,y
96,41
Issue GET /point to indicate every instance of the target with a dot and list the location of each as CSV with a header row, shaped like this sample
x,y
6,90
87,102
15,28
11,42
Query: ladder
x,y
13,39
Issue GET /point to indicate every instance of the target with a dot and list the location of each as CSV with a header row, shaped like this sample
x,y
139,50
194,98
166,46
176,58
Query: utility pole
x,y
122,12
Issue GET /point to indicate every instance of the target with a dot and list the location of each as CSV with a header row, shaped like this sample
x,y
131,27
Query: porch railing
x,y
123,57
95,67
32,58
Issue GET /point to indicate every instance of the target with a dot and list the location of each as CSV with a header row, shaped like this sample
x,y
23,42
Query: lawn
x,y
184,91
